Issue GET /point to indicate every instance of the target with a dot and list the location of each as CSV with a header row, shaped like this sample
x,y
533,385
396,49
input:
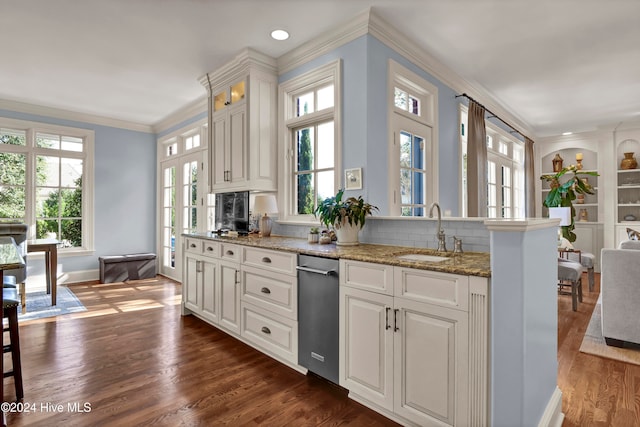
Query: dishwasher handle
x,y
316,271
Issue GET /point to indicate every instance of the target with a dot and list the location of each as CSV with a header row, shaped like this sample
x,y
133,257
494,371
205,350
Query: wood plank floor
x,y
595,391
135,361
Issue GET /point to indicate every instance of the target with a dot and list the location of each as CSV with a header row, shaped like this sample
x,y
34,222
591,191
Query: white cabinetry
x,y
200,294
211,283
407,354
269,302
242,124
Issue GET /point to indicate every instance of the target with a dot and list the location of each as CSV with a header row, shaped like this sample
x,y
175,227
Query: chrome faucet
x,y
442,245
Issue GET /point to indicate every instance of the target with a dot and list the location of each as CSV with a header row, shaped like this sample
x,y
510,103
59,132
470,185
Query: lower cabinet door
x,y
209,294
366,349
191,284
229,296
431,373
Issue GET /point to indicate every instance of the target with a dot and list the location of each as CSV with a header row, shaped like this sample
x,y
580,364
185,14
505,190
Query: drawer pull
x,y
210,248
192,245
230,252
395,320
265,291
265,330
266,259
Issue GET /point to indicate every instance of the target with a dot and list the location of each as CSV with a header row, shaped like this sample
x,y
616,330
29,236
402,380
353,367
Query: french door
x,y
182,207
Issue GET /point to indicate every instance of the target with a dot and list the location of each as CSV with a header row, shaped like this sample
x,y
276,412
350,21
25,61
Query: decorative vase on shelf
x,y
557,163
629,162
584,216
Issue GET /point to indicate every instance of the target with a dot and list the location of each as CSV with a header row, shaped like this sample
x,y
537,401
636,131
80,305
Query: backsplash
x,y
420,233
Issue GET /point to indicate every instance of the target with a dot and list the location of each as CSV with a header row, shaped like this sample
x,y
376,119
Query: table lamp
x,y
564,214
265,204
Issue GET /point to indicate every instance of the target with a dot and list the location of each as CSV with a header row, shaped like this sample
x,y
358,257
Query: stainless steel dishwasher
x,y
318,315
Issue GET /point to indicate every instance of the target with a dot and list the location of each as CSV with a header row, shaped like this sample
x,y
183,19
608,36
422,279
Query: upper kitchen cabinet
x,y
242,124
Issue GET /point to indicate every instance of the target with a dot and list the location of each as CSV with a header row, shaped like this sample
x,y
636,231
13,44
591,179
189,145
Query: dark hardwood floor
x,y
135,361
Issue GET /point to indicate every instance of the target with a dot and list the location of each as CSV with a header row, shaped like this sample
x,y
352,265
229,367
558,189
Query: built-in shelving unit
x,y
589,164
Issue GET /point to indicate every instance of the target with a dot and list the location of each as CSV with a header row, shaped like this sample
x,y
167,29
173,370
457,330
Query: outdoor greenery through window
x,y
310,117
41,178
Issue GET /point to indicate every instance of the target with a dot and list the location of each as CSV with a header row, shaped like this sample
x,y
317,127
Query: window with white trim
x,y
505,171
412,153
310,125
46,181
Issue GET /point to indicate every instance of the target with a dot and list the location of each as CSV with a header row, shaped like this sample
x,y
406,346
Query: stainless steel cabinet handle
x,y
192,245
395,320
265,291
230,252
210,248
237,279
266,330
266,259
198,267
386,320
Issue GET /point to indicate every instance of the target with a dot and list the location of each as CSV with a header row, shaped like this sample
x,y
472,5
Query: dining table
x,y
50,249
10,259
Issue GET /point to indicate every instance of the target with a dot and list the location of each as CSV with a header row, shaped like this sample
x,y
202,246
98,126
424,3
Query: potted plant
x,y
346,216
314,235
563,195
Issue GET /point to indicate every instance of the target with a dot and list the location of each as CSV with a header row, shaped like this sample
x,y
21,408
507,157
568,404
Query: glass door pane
x,y
168,231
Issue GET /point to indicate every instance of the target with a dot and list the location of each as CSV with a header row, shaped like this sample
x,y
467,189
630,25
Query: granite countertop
x,y
467,263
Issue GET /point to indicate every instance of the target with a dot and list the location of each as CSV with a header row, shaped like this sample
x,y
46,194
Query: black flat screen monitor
x,y
232,211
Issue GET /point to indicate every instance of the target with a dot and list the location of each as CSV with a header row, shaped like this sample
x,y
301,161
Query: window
x,y
412,161
311,144
46,180
505,171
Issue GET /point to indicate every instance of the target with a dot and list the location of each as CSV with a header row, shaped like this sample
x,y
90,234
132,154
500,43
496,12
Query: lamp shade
x,y
564,214
265,203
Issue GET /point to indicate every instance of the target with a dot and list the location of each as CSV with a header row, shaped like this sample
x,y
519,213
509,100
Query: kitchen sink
x,y
422,257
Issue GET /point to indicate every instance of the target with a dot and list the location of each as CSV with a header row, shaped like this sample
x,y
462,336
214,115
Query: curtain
x,y
529,180
476,162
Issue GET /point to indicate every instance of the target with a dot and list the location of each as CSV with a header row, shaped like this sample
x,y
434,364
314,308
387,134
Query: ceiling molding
x,y
325,42
183,114
247,59
399,42
57,113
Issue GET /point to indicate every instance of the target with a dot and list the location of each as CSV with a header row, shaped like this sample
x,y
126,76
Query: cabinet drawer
x,y
230,252
367,276
443,289
192,245
276,292
281,262
271,332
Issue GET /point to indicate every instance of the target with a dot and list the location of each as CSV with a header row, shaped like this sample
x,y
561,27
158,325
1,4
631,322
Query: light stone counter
x,y
467,263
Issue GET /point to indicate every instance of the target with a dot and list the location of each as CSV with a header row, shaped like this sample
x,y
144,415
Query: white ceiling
x,y
558,65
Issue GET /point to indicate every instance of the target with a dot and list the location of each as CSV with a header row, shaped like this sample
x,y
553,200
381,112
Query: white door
x,y
183,210
430,370
366,367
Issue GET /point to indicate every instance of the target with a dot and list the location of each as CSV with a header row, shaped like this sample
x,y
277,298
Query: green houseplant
x,y
347,216
563,194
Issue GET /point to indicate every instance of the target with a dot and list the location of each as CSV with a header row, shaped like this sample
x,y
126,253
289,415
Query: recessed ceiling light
x,y
279,35
567,133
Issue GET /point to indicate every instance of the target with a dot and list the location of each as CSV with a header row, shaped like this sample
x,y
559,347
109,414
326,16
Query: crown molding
x,y
402,44
325,42
370,22
247,59
57,113
183,114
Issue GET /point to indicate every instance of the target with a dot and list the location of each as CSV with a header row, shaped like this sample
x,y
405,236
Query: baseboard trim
x,y
78,276
553,415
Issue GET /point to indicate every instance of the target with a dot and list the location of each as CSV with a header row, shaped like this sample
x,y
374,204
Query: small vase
x,y
629,162
313,237
584,216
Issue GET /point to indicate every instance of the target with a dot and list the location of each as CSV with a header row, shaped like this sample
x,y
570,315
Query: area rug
x,y
39,304
593,343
